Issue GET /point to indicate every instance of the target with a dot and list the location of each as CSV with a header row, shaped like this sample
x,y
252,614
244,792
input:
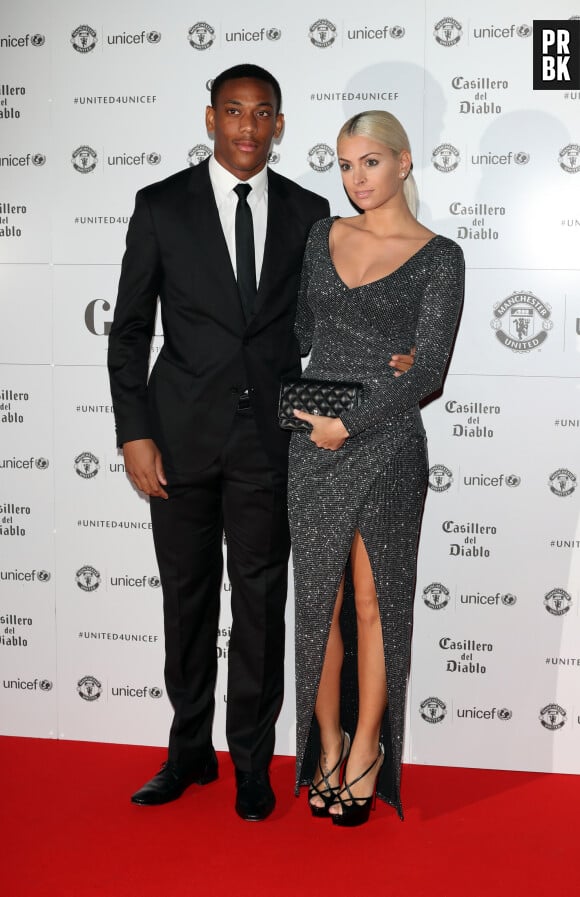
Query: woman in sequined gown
x,y
373,285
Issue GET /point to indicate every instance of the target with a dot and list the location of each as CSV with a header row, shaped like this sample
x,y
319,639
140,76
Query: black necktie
x,y
245,253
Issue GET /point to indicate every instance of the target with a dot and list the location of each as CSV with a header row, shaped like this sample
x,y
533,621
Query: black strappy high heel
x,y
356,810
329,793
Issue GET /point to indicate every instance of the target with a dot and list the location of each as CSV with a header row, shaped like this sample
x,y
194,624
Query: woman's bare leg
x,y
327,707
372,678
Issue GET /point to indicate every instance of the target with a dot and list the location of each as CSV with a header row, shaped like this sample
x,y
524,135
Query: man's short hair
x,y
246,70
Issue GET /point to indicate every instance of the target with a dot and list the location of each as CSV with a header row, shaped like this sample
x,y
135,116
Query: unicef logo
x,y
153,37
512,480
38,159
322,33
397,31
153,158
557,602
273,34
84,159
569,158
87,578
436,596
89,688
201,36
433,710
522,321
448,32
440,478
43,576
84,39
552,717
504,714
445,157
273,158
321,157
521,158
155,692
154,582
87,465
524,30
508,600
37,40
45,685
41,463
562,482
197,154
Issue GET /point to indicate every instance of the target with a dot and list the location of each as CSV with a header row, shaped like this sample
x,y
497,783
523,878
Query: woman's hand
x,y
327,432
402,363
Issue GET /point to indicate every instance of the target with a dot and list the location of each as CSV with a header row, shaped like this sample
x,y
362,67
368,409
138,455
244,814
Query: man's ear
x,y
210,119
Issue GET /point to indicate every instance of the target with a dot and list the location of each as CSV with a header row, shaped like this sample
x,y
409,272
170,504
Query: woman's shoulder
x,y
446,249
320,228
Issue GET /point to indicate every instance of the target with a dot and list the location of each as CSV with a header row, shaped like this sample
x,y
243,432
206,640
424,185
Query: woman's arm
x,y
436,326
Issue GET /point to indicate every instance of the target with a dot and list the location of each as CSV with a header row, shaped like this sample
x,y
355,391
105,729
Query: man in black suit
x,y
201,437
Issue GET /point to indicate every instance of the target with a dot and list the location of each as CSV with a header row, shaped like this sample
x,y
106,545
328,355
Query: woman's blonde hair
x,y
383,127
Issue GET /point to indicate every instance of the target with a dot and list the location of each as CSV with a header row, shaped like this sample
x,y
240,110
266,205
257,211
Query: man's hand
x,y
402,363
144,466
327,432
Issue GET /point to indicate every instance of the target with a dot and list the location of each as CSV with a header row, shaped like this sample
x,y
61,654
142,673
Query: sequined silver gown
x,y
376,482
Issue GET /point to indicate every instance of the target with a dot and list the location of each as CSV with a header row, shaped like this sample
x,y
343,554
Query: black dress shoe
x,y
255,799
171,781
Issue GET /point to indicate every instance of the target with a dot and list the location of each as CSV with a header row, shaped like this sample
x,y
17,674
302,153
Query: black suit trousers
x,y
239,494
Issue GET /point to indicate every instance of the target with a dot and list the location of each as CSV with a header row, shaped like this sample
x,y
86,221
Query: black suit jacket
x,y
176,250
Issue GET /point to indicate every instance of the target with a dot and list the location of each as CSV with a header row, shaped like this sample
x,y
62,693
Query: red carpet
x,y
69,830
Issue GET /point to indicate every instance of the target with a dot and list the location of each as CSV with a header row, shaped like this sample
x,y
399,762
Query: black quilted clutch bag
x,y
328,398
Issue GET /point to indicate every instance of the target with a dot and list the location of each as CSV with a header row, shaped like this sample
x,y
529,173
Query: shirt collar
x,y
223,181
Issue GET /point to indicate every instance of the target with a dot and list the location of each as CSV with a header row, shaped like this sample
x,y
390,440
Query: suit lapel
x,y
206,230
274,247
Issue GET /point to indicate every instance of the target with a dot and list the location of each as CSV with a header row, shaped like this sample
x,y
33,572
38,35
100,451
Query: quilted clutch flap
x,y
328,398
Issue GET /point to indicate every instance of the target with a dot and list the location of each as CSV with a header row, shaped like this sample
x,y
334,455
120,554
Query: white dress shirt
x,y
223,183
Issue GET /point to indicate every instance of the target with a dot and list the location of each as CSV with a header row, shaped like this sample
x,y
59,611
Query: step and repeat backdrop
x,y
98,101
